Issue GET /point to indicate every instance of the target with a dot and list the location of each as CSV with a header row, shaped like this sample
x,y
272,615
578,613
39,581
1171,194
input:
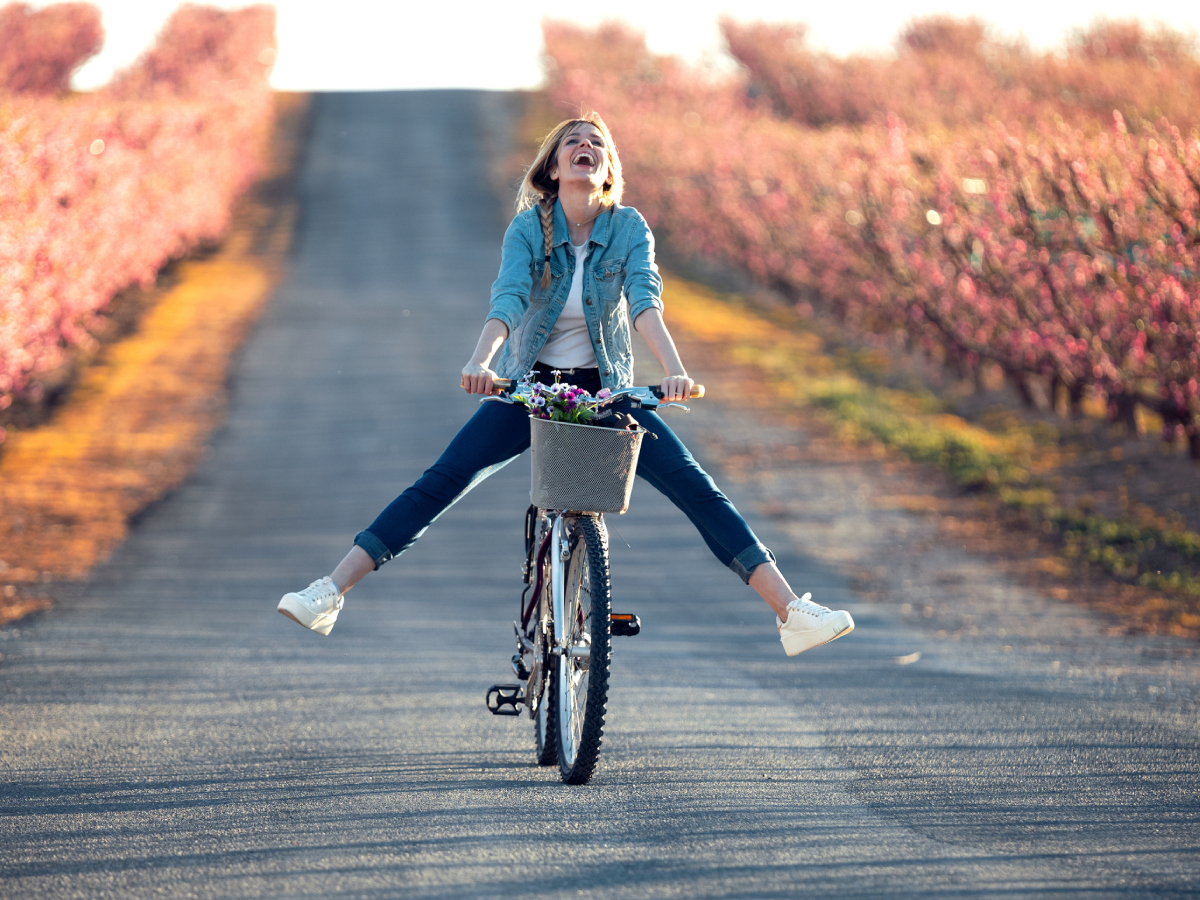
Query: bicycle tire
x,y
579,686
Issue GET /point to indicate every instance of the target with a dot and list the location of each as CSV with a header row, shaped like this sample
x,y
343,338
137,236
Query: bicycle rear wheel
x,y
579,676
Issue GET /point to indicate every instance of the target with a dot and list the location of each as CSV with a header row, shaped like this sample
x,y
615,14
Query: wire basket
x,y
583,468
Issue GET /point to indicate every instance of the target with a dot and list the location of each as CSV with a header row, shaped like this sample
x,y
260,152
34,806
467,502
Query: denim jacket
x,y
619,270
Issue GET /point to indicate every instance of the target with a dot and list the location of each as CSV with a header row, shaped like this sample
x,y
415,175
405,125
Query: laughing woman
x,y
577,268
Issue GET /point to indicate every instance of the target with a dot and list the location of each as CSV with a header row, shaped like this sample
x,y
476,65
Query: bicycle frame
x,y
511,392
564,689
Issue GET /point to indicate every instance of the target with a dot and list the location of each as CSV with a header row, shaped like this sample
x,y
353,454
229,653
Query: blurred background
x,y
996,206
373,45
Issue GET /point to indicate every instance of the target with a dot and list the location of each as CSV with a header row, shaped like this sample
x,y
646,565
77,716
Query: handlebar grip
x,y
502,384
696,392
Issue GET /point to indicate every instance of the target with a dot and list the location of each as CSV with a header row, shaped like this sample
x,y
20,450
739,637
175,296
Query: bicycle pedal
x,y
624,624
505,699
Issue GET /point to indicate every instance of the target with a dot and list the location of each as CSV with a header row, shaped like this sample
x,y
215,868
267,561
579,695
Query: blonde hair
x,y
540,190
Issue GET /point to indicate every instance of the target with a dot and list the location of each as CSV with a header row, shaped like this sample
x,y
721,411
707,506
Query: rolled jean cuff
x,y
750,559
375,548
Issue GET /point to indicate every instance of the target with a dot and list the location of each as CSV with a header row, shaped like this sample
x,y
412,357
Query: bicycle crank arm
x,y
523,643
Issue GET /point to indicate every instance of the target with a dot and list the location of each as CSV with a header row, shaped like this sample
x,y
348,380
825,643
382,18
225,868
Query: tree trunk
x,y
1022,388
958,366
1191,428
1126,413
1075,399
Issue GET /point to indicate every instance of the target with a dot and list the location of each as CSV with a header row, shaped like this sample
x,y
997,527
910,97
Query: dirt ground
x,y
1101,466
912,541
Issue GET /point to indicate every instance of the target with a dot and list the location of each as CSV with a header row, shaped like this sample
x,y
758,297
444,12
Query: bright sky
x,y
389,44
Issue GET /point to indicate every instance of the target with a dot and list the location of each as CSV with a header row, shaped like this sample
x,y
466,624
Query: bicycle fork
x,y
560,552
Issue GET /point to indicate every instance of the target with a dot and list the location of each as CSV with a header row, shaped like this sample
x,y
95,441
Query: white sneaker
x,y
316,607
810,625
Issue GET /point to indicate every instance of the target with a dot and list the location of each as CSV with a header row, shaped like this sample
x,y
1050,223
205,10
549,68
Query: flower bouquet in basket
x,y
560,402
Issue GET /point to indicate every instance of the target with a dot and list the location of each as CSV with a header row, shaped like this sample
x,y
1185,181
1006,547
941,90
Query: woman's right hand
x,y
478,379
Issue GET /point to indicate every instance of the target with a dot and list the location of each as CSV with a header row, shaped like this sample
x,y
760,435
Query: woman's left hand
x,y
676,387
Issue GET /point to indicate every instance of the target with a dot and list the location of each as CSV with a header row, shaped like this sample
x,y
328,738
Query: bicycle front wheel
x,y
580,670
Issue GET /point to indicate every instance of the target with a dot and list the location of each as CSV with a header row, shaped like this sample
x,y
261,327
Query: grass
x,y
799,369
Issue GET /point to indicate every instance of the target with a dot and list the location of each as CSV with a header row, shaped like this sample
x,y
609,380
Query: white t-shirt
x,y
569,345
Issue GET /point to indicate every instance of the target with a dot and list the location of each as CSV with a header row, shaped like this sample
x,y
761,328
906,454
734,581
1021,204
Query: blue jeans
x,y
498,433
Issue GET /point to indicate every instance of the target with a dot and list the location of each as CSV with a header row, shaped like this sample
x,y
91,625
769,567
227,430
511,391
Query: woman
x,y
577,268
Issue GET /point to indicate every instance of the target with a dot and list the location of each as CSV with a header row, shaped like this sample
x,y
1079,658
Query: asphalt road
x,y
164,732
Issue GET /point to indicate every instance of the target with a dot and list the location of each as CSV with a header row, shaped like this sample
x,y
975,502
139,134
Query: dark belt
x,y
586,371
588,378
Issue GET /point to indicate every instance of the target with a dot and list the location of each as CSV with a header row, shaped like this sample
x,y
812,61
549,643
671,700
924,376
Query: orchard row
x,y
99,191
1065,248
951,72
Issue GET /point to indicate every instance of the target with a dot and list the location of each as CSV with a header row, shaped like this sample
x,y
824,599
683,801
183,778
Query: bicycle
x,y
565,624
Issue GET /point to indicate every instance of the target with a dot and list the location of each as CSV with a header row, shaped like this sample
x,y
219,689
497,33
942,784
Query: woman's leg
x,y
668,465
492,438
770,584
352,569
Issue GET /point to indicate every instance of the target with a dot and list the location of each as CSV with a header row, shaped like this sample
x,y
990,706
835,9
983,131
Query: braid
x,y
546,214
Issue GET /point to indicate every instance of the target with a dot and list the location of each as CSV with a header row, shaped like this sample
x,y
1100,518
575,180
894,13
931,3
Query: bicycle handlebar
x,y
697,391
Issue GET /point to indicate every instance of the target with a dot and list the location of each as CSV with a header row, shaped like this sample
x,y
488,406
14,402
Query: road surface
x,y
164,732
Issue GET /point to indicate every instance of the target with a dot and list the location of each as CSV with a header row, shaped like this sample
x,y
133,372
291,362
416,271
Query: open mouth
x,y
584,158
